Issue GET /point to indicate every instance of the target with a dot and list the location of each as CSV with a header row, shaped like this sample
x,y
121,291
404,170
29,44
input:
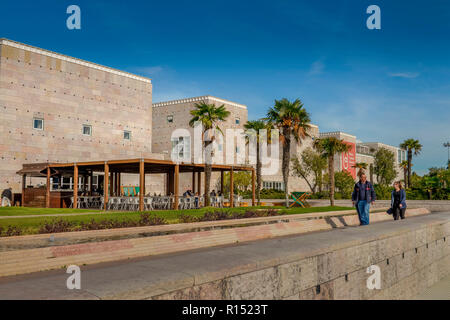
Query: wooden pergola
x,y
112,175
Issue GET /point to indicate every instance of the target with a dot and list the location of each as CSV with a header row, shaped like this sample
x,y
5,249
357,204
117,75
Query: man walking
x,y
363,195
6,197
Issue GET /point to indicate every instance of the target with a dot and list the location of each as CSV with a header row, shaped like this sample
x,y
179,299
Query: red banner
x,y
349,159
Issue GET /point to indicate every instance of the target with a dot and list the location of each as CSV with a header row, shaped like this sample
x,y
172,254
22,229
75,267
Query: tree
x,y
311,163
411,146
404,166
328,148
344,183
209,116
293,121
241,181
257,125
384,166
362,166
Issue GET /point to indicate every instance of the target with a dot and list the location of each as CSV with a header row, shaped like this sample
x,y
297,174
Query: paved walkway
x,y
145,277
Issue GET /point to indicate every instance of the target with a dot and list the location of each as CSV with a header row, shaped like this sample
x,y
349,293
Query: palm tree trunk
x,y
409,166
208,173
258,175
331,174
404,177
285,164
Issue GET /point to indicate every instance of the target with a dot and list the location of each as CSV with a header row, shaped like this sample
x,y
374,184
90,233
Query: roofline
x,y
381,143
48,53
336,132
197,99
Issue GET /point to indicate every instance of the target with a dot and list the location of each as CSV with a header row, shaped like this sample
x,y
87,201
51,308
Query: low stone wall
x,y
411,258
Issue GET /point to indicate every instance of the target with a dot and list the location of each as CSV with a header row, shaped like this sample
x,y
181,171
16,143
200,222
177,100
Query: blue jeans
x,y
363,212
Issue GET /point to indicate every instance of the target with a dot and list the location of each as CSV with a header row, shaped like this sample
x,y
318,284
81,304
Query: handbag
x,y
389,211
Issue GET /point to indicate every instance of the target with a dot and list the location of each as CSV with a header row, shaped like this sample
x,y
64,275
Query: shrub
x,y
56,226
10,231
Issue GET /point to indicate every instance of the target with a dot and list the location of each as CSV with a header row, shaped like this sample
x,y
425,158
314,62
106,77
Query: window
x,y
277,185
181,149
237,150
169,119
38,124
238,121
87,130
127,135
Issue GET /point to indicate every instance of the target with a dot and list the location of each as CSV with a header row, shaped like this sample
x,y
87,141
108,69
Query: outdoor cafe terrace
x,y
115,196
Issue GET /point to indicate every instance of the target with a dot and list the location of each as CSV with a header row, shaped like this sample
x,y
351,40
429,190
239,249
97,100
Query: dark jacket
x,y
7,193
402,198
370,192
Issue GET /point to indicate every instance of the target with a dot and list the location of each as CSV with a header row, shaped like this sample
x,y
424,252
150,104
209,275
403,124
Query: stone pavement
x,y
155,276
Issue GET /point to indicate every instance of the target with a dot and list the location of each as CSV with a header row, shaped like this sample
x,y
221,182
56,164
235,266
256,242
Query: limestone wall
x,y
67,93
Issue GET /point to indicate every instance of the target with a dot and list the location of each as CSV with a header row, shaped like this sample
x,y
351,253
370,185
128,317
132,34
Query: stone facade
x,y
172,115
67,93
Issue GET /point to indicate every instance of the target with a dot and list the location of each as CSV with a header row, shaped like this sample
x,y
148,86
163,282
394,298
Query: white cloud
x,y
407,75
316,68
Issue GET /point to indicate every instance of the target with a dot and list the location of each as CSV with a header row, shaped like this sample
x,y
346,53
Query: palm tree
x,y
209,116
293,121
257,125
329,147
362,166
404,166
411,146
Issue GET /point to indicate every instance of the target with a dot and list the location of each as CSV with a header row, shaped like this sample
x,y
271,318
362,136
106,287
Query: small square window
x,y
169,119
38,124
127,135
87,130
238,121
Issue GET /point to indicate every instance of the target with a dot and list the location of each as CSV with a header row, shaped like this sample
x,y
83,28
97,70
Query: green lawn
x,y
31,224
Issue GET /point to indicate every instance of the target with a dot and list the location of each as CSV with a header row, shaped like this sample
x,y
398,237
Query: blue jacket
x,y
370,192
402,198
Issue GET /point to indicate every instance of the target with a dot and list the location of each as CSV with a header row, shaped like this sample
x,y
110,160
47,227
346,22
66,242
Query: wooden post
x,y
193,181
105,186
231,188
253,187
141,184
199,175
119,182
221,182
75,186
176,186
91,181
24,185
47,196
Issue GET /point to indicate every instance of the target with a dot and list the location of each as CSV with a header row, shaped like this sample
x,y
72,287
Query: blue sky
x,y
380,85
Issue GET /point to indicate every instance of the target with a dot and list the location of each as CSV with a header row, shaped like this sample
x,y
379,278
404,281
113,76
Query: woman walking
x,y
398,201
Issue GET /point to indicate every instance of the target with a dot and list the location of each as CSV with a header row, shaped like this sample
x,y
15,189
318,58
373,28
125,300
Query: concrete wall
x,y
411,258
67,93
